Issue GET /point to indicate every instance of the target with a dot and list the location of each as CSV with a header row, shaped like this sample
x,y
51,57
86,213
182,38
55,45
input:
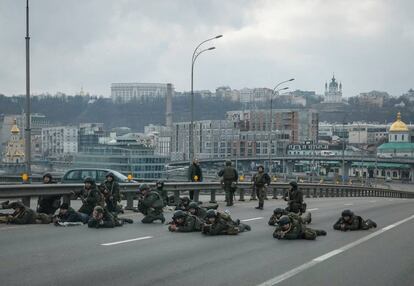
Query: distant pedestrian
x,y
195,174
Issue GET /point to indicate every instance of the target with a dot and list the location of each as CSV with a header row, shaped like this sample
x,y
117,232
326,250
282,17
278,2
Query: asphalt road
x,y
48,255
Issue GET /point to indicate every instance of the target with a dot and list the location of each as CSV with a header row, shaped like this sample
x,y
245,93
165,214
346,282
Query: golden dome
x,y
15,129
398,126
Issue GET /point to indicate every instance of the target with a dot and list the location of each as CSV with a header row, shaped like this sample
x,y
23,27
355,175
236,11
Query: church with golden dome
x,y
399,141
14,152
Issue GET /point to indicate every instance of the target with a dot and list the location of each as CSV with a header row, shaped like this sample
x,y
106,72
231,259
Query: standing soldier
x,y
184,222
221,223
260,182
350,221
195,174
48,204
150,204
291,227
110,191
229,177
90,196
163,193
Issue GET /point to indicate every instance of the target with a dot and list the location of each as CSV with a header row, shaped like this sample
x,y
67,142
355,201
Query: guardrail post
x,y
66,199
130,201
213,197
26,201
196,195
307,192
274,191
176,196
241,195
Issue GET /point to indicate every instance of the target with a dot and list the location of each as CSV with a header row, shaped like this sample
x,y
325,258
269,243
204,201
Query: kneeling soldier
x,y
290,227
221,223
150,204
350,221
184,222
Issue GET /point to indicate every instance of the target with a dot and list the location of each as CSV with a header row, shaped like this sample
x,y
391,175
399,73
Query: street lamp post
x,y
196,54
274,91
28,121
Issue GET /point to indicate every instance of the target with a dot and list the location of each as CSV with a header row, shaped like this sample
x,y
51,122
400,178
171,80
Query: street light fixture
x,y
196,54
274,91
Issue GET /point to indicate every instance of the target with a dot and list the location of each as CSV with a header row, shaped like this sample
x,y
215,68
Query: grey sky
x,y
92,43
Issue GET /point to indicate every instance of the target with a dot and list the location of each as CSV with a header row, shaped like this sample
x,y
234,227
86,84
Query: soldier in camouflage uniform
x,y
218,223
67,214
350,221
48,204
111,193
229,177
90,196
195,209
150,204
291,227
163,193
260,182
24,215
184,222
277,213
102,218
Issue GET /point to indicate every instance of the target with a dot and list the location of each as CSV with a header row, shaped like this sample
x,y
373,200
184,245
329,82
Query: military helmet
x,y
98,209
143,187
186,200
89,180
160,183
211,213
293,184
284,220
179,214
16,205
110,174
260,166
278,211
347,213
193,205
228,163
47,175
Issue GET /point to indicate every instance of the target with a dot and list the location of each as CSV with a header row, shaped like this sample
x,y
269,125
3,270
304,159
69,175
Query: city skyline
x,y
367,44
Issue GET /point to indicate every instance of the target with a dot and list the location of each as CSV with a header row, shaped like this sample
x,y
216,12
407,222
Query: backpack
x,y
229,174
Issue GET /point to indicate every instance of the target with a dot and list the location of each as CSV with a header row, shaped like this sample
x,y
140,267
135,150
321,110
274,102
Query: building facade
x,y
125,92
59,141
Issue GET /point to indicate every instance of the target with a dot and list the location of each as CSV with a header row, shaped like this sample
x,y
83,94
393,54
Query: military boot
x,y
320,232
370,223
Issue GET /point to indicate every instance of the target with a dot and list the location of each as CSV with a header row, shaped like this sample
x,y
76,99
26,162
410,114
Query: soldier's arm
x,y
116,192
93,197
294,233
277,233
236,174
355,225
337,225
300,196
188,226
272,220
221,173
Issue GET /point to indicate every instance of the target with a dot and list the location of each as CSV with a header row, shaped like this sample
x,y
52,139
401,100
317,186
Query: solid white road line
x,y
250,219
319,259
125,241
315,209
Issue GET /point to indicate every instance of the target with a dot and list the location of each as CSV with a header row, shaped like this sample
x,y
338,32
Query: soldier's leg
x,y
260,195
227,194
244,227
191,193
309,234
370,224
253,195
148,219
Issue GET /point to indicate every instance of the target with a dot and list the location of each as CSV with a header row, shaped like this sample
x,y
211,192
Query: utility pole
x,y
27,133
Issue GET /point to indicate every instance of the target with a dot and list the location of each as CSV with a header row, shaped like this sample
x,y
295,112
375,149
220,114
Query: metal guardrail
x,y
25,192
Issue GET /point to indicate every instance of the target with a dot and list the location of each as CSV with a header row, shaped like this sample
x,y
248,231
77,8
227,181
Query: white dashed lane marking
x,y
250,219
125,241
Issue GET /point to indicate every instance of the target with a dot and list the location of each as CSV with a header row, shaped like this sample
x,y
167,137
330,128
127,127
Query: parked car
x,y
78,175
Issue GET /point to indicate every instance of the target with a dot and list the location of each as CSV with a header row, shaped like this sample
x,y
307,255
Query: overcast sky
x,y
93,43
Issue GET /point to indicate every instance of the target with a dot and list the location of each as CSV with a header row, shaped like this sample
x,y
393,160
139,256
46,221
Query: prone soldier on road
x,y
90,196
350,221
195,209
260,182
24,215
184,222
218,223
291,227
67,215
111,193
48,204
229,177
150,204
277,213
102,218
183,204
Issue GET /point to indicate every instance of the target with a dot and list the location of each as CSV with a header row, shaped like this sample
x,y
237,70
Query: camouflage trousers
x,y
311,234
153,215
261,194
